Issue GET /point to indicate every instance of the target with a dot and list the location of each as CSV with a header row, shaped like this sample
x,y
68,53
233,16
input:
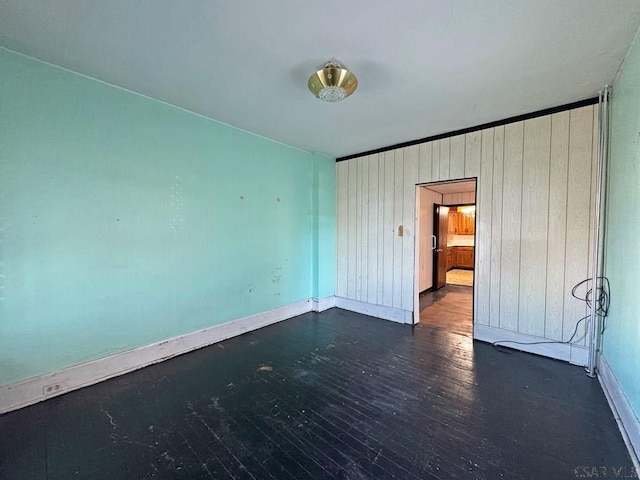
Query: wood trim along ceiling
x,y
506,121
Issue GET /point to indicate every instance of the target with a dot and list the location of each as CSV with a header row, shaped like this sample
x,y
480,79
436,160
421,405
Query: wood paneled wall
x,y
461,198
534,219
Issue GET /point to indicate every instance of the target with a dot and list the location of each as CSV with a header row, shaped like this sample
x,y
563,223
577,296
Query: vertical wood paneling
x,y
445,155
456,160
364,228
511,224
424,170
381,228
372,234
352,229
482,280
495,237
460,198
535,209
578,202
342,214
397,221
410,174
389,228
534,226
557,225
473,146
358,283
435,161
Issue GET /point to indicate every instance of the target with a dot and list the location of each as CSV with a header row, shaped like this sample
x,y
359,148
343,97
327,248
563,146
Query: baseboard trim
x,y
380,311
627,421
575,354
43,387
322,304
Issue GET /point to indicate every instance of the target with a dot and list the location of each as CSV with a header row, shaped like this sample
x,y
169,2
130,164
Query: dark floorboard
x,y
330,395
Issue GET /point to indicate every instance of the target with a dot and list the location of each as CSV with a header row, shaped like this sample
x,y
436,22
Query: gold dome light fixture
x,y
332,82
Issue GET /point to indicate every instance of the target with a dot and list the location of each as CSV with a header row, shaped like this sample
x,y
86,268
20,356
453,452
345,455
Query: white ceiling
x,y
424,66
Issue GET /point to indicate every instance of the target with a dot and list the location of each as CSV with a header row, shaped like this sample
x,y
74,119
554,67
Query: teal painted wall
x,y
621,342
324,226
125,221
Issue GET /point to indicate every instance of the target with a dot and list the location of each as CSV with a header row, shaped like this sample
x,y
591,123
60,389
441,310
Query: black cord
x,y
602,302
575,331
603,297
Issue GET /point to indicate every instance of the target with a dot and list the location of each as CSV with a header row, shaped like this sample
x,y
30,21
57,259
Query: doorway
x,y
445,255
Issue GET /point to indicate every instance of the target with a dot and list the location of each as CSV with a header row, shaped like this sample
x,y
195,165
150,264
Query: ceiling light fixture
x,y
332,82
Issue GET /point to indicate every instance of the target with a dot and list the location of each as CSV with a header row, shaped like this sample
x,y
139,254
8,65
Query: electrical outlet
x,y
53,388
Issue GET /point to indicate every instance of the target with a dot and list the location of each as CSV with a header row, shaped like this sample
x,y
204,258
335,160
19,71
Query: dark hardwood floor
x,y
449,308
330,395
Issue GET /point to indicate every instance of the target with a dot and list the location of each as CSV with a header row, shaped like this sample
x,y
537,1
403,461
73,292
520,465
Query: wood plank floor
x,y
330,395
449,308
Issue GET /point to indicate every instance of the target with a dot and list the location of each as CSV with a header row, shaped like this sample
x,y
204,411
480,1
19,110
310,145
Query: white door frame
x,y
417,236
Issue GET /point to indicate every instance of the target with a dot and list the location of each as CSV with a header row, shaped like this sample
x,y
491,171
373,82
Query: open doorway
x,y
445,255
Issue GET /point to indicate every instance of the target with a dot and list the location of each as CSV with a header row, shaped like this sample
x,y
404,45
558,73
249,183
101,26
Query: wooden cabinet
x,y
460,257
460,224
453,223
466,224
464,257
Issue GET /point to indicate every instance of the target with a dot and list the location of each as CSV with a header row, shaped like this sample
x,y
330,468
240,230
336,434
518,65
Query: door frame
x,y
418,235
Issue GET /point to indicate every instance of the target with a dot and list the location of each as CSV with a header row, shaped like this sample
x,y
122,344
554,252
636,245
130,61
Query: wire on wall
x,y
600,300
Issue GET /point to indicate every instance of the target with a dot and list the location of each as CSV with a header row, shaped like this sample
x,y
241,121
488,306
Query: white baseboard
x,y
626,418
380,311
575,354
322,304
42,387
